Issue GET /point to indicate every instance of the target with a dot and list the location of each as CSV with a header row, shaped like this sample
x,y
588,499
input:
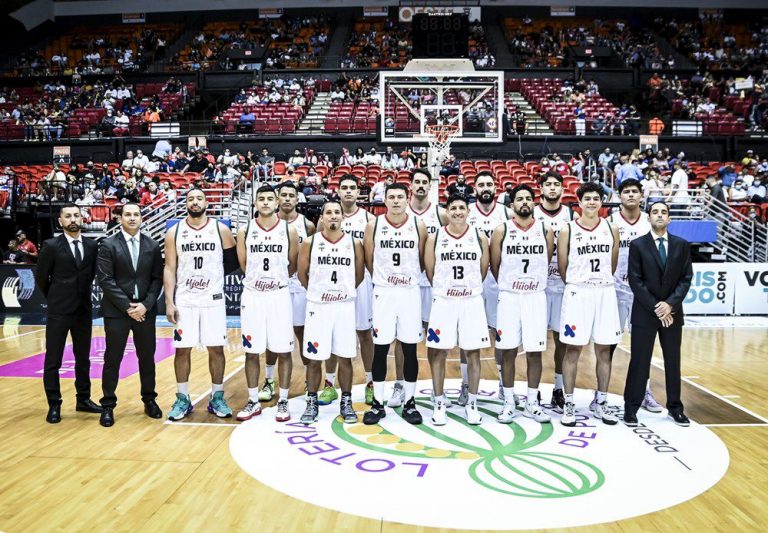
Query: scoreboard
x,y
437,35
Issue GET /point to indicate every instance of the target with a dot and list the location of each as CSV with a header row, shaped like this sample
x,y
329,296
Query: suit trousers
x,y
117,330
79,325
643,339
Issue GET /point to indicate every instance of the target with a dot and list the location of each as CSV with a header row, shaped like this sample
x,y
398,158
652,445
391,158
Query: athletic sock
x,y
183,388
378,391
283,394
648,386
602,397
568,398
330,378
270,371
472,397
410,390
253,394
312,395
464,375
401,382
368,377
509,395
533,395
558,381
216,387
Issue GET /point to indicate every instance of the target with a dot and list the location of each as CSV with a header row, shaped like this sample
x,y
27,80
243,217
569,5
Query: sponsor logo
x,y
247,341
177,335
433,335
312,347
19,287
553,476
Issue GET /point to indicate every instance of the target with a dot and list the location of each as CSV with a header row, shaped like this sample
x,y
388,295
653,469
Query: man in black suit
x,y
130,272
65,271
660,275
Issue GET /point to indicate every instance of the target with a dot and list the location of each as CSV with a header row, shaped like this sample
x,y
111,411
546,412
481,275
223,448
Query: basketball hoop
x,y
440,136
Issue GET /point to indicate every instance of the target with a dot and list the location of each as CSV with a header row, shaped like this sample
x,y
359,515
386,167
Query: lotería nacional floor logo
x,y
523,475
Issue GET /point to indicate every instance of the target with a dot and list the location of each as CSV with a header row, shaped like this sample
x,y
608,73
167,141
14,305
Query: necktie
x,y
135,261
78,255
662,251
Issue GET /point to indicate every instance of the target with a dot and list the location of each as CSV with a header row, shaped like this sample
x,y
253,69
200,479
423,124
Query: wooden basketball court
x,y
150,475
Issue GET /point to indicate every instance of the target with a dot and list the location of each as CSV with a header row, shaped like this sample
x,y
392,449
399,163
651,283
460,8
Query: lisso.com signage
x,y
493,476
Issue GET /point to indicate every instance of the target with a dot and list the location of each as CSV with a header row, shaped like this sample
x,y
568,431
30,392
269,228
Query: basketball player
x,y
456,261
632,223
486,215
589,252
198,251
433,217
331,266
355,221
267,248
394,248
521,249
555,215
288,199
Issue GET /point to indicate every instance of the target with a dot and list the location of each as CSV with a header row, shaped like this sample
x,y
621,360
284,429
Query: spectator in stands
x,y
107,124
140,162
559,166
26,246
379,188
346,158
757,191
627,169
338,95
389,160
169,192
461,187
246,121
727,175
129,192
359,156
679,186
152,196
365,188
127,163
13,255
655,126
506,197
198,163
114,221
211,174
714,186
122,122
371,158
266,163
450,166
737,193
56,182
653,187
296,160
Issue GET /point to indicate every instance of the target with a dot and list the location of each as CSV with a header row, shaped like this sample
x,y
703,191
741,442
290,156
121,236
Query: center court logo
x,y
523,475
19,287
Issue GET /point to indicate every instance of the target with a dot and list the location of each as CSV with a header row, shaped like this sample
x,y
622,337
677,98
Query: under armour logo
x,y
247,341
177,335
433,335
311,313
312,347
570,331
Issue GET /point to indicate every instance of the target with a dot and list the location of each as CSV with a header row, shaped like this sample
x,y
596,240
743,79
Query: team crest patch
x,y
312,347
177,335
247,341
570,331
433,335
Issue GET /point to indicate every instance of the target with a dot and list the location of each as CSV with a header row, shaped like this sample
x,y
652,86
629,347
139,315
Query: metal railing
x,y
739,238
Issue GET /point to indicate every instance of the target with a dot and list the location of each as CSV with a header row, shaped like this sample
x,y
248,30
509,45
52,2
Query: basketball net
x,y
440,137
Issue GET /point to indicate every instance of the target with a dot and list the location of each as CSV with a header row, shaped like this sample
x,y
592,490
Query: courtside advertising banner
x,y
712,289
751,288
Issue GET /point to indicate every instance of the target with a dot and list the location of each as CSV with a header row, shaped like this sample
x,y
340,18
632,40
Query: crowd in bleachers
x,y
113,49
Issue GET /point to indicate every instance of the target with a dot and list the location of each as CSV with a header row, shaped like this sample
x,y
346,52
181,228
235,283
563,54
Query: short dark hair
x,y
396,187
287,185
122,209
650,206
589,186
68,206
348,177
420,170
483,174
457,198
522,188
265,188
550,174
630,182
328,202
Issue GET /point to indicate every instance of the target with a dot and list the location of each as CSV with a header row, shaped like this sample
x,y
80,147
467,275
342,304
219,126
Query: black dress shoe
x,y
54,414
152,410
107,418
87,406
630,420
680,419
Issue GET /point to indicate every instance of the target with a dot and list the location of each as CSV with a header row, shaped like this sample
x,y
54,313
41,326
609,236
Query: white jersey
x,y
431,219
556,222
487,223
331,270
266,267
199,265
396,260
628,232
355,223
300,225
524,265
457,264
589,255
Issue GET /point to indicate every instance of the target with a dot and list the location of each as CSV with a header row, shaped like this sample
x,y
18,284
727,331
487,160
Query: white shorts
x,y
201,326
589,314
397,315
299,304
426,303
458,321
522,320
266,321
554,304
625,309
329,329
364,304
490,298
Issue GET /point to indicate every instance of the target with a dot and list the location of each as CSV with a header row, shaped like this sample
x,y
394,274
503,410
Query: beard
x,y
333,226
485,197
73,227
196,214
524,212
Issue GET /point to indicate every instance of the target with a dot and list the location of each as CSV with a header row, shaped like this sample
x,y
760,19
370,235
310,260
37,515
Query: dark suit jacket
x,y
117,278
66,288
652,284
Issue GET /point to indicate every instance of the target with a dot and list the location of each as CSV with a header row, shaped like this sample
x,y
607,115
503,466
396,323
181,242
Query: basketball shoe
x,y
534,410
267,390
250,410
328,394
398,395
311,411
283,414
181,407
439,413
569,415
447,400
218,406
508,413
473,415
558,399
650,404
348,412
603,412
593,404
411,414
463,394
369,393
374,414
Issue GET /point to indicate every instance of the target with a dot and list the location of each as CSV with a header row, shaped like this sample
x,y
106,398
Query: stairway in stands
x,y
535,122
312,123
